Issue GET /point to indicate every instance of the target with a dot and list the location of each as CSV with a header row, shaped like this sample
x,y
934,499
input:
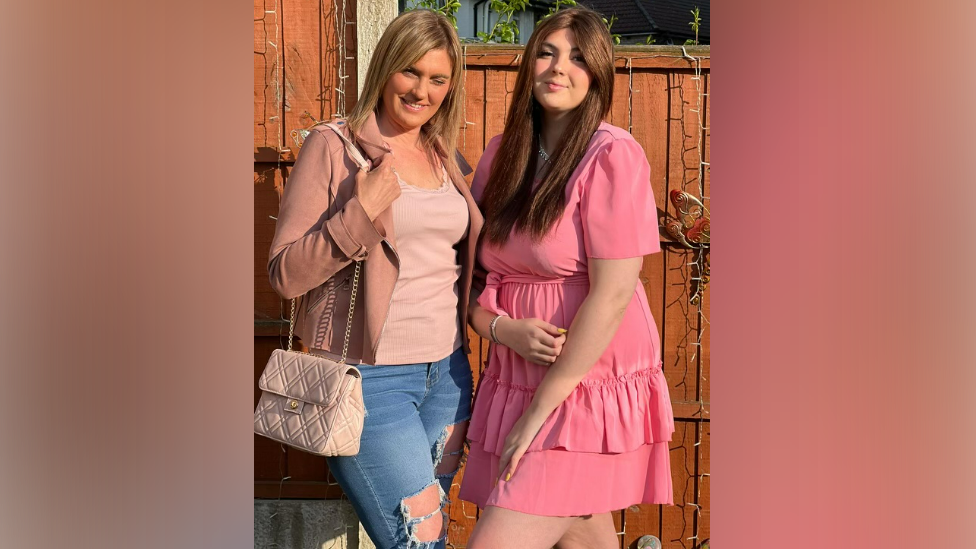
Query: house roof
x,y
669,17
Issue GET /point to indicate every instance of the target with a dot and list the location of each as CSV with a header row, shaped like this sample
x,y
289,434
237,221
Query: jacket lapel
x,y
374,147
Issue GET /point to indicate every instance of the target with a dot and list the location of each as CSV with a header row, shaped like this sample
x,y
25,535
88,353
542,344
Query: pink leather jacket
x,y
322,228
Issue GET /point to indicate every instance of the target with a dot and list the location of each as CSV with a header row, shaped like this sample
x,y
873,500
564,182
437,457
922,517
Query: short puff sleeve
x,y
617,206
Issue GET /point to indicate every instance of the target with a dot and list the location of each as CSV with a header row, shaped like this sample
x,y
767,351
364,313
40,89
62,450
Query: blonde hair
x,y
408,38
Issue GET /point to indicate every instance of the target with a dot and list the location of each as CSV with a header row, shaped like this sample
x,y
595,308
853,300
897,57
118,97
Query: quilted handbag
x,y
311,402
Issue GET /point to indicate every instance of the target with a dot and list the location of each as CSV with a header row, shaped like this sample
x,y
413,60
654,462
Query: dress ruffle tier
x,y
600,416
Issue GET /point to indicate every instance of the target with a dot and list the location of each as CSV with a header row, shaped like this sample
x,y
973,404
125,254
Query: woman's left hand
x,y
516,443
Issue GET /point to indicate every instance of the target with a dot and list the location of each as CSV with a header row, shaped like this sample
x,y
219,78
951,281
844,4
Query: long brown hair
x,y
408,38
509,201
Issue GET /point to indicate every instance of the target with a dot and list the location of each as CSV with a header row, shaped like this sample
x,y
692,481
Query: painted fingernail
x,y
562,330
508,477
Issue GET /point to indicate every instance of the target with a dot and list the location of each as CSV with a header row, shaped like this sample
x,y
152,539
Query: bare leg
x,y
499,528
591,532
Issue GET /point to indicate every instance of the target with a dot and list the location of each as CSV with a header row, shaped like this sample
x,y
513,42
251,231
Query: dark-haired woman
x,y
572,417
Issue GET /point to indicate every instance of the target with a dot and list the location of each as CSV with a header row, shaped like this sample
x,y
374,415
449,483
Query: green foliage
x,y
449,9
695,25
650,39
609,24
570,3
553,9
506,29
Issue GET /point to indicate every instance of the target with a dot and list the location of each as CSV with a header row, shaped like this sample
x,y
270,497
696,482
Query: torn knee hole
x,y
422,515
428,530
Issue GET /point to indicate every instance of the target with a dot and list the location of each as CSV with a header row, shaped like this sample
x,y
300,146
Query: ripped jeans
x,y
413,437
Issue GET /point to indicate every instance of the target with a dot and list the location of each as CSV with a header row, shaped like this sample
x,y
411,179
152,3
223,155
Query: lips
x,y
412,107
555,87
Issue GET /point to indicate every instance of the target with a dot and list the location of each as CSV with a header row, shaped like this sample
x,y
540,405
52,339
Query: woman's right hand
x,y
377,189
533,339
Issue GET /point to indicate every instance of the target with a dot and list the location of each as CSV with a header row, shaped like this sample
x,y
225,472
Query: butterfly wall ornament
x,y
692,229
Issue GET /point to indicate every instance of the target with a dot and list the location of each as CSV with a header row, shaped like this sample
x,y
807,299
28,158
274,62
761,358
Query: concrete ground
x,y
307,524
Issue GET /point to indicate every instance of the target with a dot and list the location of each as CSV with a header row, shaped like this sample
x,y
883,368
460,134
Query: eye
x,y
410,70
545,53
439,81
579,58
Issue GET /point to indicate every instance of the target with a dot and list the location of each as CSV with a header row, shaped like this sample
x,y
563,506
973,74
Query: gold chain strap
x,y
352,307
291,325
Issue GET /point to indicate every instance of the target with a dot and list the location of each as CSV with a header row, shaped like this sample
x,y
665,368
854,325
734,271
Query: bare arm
x,y
612,286
533,339
480,318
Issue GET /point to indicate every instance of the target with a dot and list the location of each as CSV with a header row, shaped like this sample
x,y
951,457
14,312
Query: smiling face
x,y
561,77
412,96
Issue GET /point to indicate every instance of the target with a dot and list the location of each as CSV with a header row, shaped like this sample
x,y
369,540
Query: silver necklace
x,y
543,153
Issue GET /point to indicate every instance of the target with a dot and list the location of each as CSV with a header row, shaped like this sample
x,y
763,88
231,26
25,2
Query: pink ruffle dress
x,y
606,446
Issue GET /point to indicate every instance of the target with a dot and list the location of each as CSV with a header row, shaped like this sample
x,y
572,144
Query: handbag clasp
x,y
294,406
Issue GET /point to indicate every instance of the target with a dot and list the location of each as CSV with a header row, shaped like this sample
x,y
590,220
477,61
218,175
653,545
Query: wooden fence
x,y
660,97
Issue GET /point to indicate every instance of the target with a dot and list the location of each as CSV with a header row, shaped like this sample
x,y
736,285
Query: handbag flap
x,y
305,377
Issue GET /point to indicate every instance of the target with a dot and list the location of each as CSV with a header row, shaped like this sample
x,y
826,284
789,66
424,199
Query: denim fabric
x,y
408,408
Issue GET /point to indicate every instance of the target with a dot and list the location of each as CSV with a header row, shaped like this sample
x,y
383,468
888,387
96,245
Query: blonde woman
x,y
413,224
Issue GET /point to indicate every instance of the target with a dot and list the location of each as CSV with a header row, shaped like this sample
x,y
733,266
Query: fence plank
x,y
267,89
500,83
704,349
706,310
680,326
649,118
620,103
341,70
704,498
471,142
684,136
303,62
707,143
677,521
268,184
